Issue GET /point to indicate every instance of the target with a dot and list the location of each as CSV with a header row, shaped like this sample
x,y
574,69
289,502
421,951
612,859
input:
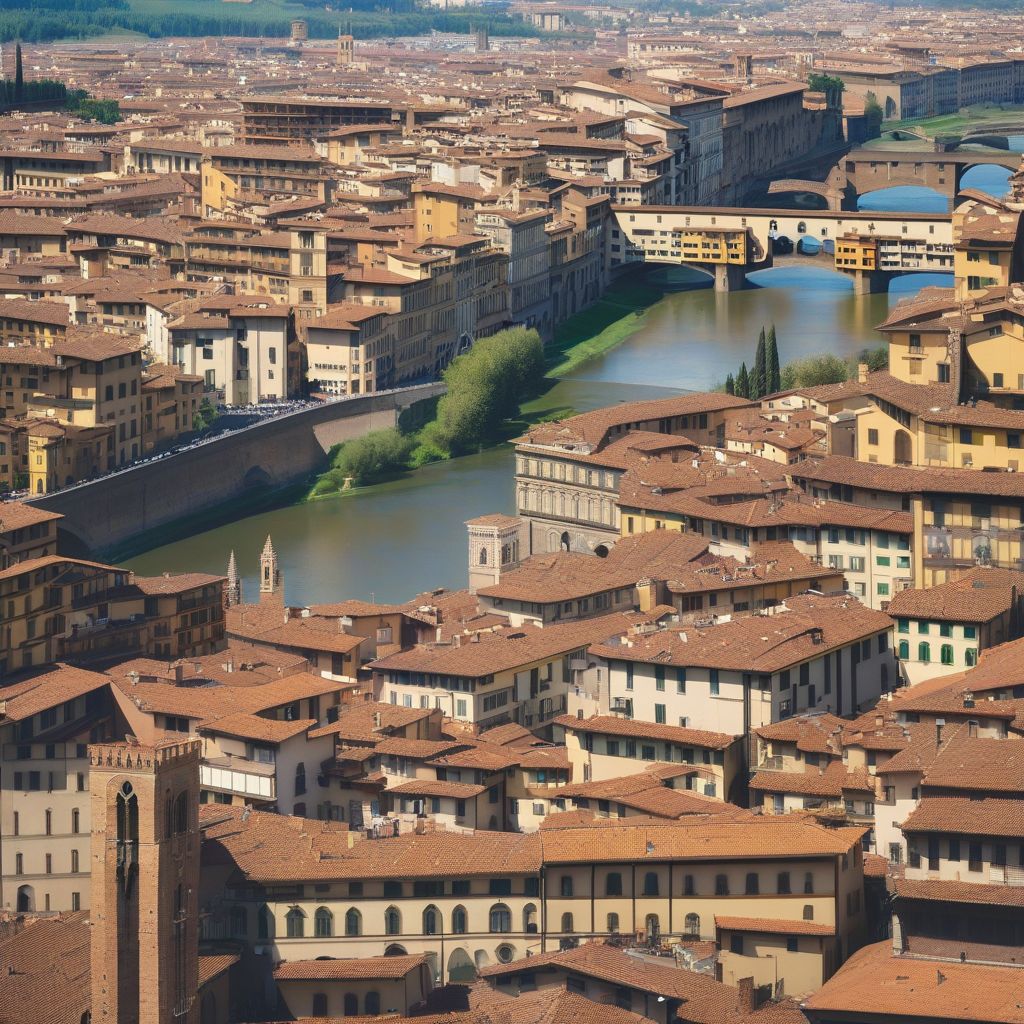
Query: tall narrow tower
x,y
233,592
145,882
345,49
270,574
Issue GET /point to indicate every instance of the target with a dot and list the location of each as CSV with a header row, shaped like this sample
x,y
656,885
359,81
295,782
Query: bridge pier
x,y
730,277
869,282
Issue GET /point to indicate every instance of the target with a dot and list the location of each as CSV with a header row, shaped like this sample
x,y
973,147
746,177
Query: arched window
x,y
971,656
459,925
613,922
395,949
530,919
372,1004
353,922
264,928
567,927
483,556
613,884
692,925
651,883
26,899
903,651
430,920
323,923
946,654
392,921
500,918
924,652
296,923
239,922
808,912
319,1004
351,1005
652,928
565,886
181,814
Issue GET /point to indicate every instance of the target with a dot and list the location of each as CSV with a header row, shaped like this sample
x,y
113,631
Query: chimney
x,y
862,373
745,1002
939,723
287,613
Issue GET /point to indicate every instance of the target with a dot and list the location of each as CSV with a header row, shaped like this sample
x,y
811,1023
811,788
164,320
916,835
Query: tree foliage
x,y
828,84
485,387
104,111
743,382
815,370
773,374
873,116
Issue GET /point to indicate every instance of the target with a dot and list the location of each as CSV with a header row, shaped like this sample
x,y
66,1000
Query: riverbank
x,y
618,315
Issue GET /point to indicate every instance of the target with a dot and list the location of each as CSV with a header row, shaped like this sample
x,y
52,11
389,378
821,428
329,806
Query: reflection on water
x,y
392,541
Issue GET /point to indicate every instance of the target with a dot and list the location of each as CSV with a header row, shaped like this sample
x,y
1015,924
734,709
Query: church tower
x,y
270,574
345,50
145,882
233,592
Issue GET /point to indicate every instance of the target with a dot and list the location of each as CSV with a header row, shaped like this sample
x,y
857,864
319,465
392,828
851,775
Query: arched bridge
x,y
729,243
868,170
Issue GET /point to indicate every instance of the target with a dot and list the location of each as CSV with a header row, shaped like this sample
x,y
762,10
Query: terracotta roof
x,y
875,984
612,725
366,968
253,727
773,926
942,890
834,781
14,515
979,595
30,696
437,787
990,816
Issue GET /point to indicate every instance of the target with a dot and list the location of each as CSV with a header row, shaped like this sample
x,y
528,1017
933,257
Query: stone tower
x,y
346,48
145,882
495,543
233,591
270,574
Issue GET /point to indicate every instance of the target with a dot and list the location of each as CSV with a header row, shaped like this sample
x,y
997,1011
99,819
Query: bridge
x,y
867,170
730,243
113,512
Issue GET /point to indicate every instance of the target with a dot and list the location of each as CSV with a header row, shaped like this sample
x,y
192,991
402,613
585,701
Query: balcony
x,y
239,776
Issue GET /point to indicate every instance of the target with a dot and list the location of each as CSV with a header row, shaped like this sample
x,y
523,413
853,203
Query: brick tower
x,y
145,883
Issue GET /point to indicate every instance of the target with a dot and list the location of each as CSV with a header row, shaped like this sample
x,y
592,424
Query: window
x,y
659,714
567,924
946,654
808,912
753,884
500,918
565,886
903,650
75,821
692,925
613,884
74,862
783,883
323,923
393,890
809,882
714,682
974,857
372,1004
736,944
264,922
459,921
319,1004
721,885
351,1004
613,922
872,435
924,652
353,922
651,883
430,921
689,888
296,923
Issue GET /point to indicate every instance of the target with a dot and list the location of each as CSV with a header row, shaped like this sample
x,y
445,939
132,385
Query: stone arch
x,y
26,900
902,448
257,476
460,966
482,959
565,541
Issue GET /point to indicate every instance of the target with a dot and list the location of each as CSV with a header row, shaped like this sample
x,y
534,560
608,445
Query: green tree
x,y
773,371
104,111
485,387
19,74
730,385
743,382
372,457
205,415
758,378
876,358
830,85
815,370
873,116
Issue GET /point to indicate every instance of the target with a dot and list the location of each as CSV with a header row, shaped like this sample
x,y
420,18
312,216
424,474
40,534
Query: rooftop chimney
x,y
745,1002
862,373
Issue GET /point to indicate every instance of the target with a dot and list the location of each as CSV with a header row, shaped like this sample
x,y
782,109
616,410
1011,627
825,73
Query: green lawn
x,y
955,124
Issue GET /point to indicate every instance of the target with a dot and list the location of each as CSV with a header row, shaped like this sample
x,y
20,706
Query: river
x,y
392,541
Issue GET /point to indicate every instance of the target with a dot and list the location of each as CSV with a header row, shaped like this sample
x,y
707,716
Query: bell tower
x,y
145,882
270,574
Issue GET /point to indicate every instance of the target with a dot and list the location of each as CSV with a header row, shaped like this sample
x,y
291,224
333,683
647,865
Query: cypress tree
x,y
19,73
743,382
774,371
730,385
758,379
